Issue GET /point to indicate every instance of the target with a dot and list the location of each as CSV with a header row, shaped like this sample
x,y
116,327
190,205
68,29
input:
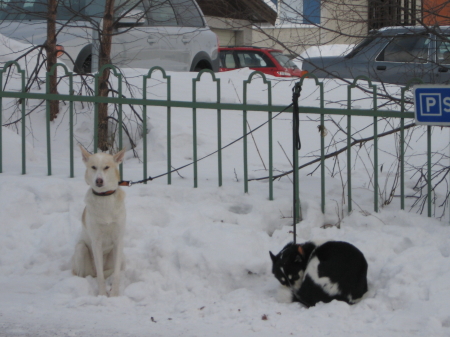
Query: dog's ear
x,y
299,254
85,155
118,157
273,257
300,250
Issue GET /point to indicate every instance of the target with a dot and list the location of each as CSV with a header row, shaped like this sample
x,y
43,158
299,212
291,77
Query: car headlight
x,y
283,73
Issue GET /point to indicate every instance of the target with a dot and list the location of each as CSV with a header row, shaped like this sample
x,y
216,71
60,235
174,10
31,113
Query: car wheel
x,y
202,65
87,65
83,62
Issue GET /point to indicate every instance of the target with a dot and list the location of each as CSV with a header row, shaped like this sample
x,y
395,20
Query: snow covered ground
x,y
198,258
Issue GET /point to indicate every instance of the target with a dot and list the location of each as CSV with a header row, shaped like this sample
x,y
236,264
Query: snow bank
x,y
198,263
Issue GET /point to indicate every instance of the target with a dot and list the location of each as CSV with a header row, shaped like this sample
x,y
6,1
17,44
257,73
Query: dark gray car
x,y
392,55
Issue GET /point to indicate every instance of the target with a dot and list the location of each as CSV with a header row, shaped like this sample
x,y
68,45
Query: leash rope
x,y
130,183
296,146
296,115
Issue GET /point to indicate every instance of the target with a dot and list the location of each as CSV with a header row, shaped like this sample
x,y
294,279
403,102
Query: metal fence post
x,y
219,123
402,140
245,131
22,76
429,169
120,115
402,150
47,115
322,134
47,120
219,134
375,148
349,149
24,150
194,121
169,132
71,125
1,121
375,123
96,92
194,132
269,97
144,126
322,140
118,75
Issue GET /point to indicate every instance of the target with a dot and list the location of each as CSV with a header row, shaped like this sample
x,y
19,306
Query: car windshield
x,y
284,60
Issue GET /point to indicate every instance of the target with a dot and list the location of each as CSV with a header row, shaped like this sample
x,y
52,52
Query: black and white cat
x,y
333,270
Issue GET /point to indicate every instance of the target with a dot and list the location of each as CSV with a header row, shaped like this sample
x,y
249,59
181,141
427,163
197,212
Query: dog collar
x,y
104,194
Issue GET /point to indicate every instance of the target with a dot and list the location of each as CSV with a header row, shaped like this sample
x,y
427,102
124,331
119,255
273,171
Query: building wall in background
x,y
436,12
311,23
231,32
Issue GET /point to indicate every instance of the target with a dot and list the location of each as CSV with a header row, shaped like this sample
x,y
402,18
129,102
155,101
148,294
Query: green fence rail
x,y
22,95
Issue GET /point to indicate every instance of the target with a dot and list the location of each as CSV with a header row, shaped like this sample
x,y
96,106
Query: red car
x,y
266,60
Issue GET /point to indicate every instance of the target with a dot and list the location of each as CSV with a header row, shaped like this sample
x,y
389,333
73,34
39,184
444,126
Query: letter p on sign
x,y
430,102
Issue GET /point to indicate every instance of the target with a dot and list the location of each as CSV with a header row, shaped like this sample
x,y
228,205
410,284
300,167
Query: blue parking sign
x,y
432,104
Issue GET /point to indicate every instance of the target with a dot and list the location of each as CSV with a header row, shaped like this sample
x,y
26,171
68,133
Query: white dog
x,y
99,252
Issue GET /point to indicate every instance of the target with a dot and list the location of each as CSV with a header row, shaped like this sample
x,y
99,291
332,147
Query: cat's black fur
x,y
333,270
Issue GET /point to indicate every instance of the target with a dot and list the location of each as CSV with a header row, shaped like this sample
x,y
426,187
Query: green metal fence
x,y
218,106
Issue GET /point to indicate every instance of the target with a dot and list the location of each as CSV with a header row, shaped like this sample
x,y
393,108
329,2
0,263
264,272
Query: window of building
x,y
297,12
386,13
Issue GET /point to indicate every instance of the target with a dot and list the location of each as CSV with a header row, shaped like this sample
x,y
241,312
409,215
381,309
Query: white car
x,y
171,34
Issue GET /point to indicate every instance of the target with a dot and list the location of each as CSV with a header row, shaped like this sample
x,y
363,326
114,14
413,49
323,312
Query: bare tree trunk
x,y
105,52
50,48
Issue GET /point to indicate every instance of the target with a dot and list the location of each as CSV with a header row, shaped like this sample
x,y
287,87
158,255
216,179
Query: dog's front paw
x,y
114,291
102,291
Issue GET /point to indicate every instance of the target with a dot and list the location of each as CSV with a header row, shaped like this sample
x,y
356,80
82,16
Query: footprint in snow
x,y
241,209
